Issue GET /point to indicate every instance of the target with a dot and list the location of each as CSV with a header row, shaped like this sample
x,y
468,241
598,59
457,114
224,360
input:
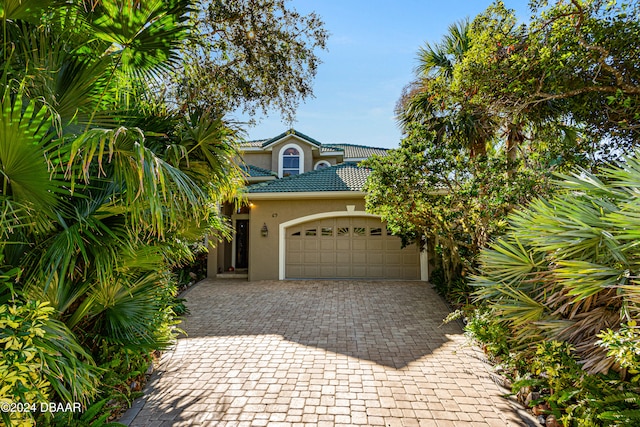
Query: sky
x,y
371,54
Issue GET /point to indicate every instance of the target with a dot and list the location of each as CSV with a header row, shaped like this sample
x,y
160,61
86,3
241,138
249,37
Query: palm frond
x,y
156,194
144,37
30,11
24,131
125,310
68,367
510,262
584,279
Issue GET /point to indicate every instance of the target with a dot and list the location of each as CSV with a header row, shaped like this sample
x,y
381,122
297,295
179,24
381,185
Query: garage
x,y
348,247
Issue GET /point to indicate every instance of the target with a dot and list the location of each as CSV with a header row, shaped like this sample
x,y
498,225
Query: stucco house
x,y
306,217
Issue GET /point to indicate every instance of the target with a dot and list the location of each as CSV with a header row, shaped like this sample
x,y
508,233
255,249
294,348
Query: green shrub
x,y
483,326
576,397
21,366
40,361
624,346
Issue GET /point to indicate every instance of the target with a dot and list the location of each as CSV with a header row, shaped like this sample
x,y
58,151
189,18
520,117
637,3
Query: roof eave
x,y
299,195
257,179
291,133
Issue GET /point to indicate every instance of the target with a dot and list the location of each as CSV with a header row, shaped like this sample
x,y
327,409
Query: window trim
x,y
281,158
321,162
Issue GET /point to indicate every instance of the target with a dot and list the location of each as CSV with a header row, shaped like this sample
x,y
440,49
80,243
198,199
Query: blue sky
x,y
370,57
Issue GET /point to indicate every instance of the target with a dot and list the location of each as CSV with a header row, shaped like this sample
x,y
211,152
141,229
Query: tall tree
x,y
431,101
576,61
102,185
250,54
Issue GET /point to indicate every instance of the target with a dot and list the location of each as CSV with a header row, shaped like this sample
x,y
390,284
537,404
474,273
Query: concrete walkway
x,y
321,353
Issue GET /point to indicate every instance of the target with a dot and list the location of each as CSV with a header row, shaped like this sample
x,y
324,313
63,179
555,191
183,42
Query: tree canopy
x,y
497,106
252,55
104,186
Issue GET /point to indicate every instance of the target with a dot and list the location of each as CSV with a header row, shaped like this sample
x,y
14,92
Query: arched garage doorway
x,y
345,245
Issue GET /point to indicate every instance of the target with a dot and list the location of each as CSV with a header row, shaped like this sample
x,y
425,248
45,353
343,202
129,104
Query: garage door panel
x,y
295,258
359,244
343,257
374,271
310,270
393,258
359,271
294,245
393,243
310,245
348,247
343,245
394,272
327,271
310,257
294,271
375,258
409,274
359,257
327,257
408,259
375,245
327,245
343,271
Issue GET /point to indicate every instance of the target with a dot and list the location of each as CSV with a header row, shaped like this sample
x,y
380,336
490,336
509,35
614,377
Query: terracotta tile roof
x,y
343,177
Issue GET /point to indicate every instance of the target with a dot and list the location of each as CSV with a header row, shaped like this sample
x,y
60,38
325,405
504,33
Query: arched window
x,y
322,164
291,158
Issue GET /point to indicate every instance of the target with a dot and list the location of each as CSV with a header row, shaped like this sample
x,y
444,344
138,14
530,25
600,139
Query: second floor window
x,y
290,162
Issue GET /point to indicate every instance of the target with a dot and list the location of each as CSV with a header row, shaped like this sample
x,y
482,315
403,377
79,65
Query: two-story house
x,y
306,217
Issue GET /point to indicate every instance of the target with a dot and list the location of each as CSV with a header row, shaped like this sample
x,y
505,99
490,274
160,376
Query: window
x,y
322,164
290,161
311,232
343,231
359,231
327,231
375,231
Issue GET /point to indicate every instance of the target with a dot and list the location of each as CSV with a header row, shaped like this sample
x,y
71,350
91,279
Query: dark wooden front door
x,y
242,243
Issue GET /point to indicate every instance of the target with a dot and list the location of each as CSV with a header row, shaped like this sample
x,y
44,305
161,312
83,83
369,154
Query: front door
x,y
242,243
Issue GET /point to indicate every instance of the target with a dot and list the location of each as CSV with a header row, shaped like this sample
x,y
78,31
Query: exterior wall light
x,y
264,230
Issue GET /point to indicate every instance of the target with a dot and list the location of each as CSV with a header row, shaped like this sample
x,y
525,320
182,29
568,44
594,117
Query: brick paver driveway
x,y
321,353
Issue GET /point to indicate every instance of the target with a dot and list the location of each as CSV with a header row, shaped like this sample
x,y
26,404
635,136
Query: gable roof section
x,y
350,152
288,133
343,177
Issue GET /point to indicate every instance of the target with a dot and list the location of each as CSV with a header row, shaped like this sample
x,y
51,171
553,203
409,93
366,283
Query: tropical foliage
x,y
495,109
567,268
507,117
561,288
250,54
105,189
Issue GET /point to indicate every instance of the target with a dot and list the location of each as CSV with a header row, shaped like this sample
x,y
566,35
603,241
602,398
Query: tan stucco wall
x,y
270,158
264,251
304,146
262,160
332,160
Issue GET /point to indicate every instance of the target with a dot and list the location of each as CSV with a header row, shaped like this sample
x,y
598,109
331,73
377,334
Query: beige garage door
x,y
348,247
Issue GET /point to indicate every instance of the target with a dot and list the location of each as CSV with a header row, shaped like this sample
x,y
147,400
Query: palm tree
x,y
439,60
97,178
568,269
434,104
